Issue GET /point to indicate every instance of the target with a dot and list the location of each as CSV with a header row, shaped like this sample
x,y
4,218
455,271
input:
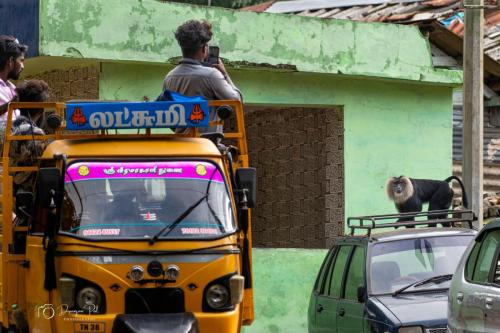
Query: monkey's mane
x,y
388,188
399,198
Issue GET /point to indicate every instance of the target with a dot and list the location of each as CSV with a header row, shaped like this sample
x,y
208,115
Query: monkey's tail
x,y
465,202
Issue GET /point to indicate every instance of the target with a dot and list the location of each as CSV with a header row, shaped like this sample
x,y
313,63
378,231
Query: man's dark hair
x,y
10,47
32,91
192,35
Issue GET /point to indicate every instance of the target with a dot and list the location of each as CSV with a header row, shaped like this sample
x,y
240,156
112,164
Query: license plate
x,y
89,327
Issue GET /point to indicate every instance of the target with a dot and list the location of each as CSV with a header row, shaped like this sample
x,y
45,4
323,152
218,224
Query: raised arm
x,y
222,84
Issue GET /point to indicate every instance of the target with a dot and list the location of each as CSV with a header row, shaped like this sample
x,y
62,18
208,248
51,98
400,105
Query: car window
x,y
485,257
318,286
397,263
356,274
338,271
471,261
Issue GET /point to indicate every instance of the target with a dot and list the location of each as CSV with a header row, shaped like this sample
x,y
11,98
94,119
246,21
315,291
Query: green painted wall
x,y
391,128
283,281
142,30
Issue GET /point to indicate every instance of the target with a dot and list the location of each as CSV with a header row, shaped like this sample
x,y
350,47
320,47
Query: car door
x,y
474,296
492,298
319,286
350,311
327,300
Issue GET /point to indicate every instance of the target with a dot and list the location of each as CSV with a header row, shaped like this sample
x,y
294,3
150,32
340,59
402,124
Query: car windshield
x,y
138,199
398,264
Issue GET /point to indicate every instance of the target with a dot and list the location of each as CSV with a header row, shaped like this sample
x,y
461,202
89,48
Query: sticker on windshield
x,y
83,170
149,216
101,232
130,170
199,231
201,170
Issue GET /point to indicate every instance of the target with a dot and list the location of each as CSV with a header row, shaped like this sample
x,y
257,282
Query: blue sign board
x,y
92,116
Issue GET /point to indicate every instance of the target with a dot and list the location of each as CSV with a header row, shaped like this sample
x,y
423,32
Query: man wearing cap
x,y
11,65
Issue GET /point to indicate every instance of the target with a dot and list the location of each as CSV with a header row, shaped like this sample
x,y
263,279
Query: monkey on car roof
x,y
409,194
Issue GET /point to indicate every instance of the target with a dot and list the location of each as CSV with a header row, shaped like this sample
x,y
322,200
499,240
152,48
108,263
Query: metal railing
x,y
368,223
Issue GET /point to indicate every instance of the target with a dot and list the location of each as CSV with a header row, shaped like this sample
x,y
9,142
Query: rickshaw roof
x,y
150,147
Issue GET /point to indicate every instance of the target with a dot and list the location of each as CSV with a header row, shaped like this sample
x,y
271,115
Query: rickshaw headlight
x,y
218,297
136,274
89,299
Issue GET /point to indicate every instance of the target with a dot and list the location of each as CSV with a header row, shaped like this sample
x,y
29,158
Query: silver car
x,y
474,296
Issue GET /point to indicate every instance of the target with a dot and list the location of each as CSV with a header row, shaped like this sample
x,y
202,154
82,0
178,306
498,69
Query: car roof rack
x,y
369,222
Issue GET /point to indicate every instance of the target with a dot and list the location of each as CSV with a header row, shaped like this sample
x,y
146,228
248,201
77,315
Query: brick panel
x,y
298,153
72,83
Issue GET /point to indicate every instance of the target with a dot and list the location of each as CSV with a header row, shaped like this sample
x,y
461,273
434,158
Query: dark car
x,y
388,282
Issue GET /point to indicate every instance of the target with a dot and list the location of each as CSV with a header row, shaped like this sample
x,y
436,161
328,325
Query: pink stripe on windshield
x,y
130,170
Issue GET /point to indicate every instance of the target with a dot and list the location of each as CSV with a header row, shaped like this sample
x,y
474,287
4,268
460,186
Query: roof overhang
x,y
452,45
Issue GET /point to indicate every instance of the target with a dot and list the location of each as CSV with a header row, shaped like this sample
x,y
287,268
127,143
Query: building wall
x,y
97,30
78,82
390,128
283,281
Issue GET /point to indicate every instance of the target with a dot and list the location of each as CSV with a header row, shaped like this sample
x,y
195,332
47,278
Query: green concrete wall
x,y
283,281
390,128
142,30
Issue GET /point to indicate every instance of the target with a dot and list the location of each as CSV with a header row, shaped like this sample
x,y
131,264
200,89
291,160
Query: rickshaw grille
x,y
154,300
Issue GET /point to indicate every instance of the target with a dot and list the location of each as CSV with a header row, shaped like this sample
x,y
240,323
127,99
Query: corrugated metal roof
x,y
448,12
302,5
260,7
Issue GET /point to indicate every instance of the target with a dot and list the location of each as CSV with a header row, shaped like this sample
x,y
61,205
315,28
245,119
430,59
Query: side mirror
x,y
224,112
246,183
54,121
24,206
49,183
361,294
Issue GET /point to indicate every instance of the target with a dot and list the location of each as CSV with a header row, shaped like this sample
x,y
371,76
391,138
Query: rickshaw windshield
x,y
138,199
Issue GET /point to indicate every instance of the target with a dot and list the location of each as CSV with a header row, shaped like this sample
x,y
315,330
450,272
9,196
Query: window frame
x,y
319,284
470,279
493,267
328,279
349,265
328,271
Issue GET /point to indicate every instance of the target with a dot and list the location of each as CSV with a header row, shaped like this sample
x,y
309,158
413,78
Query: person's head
x,y
33,91
11,57
193,37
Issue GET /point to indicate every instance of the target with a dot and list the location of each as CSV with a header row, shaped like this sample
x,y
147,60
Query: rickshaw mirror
x,y
246,183
49,183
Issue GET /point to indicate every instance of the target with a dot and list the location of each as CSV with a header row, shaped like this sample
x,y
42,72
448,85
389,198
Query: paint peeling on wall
x,y
142,30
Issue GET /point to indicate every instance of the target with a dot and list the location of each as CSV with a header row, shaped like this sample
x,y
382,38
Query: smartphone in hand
x,y
213,55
